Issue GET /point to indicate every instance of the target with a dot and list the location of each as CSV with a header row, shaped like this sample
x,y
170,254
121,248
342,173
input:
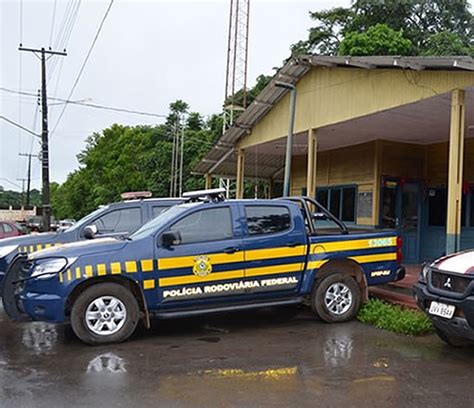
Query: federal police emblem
x,y
202,266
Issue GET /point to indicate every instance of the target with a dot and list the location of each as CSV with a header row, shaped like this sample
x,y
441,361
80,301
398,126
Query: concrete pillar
x,y
455,168
208,181
240,174
312,163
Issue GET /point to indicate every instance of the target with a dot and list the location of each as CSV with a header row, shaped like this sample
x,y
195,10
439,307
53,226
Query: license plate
x,y
442,310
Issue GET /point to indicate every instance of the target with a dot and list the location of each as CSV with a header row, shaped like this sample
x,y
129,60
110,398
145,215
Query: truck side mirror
x,y
89,231
170,238
319,216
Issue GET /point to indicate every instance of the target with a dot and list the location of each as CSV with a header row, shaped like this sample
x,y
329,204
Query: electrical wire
x,y
91,48
89,105
52,23
12,122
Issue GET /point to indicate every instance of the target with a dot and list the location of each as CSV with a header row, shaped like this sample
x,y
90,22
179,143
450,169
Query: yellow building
x,y
381,141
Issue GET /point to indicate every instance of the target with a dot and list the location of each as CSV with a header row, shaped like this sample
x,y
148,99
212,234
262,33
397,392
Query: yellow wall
x,y
322,97
349,165
357,165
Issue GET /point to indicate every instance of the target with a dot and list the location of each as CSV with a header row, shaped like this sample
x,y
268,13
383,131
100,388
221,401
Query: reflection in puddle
x,y
40,337
107,363
269,374
338,351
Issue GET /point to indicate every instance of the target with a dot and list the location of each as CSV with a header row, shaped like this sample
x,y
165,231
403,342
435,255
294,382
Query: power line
x,y
90,105
12,122
52,23
83,65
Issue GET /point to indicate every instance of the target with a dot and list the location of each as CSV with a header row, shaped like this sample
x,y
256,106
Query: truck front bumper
x,y
461,324
43,307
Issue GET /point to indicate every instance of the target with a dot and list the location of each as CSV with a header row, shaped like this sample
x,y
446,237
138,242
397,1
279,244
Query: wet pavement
x,y
253,359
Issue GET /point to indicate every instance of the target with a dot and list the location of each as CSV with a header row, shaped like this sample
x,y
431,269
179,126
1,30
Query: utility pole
x,y
44,134
22,190
28,185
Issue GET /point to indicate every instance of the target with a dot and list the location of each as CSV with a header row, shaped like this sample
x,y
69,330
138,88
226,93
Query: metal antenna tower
x,y
235,97
237,56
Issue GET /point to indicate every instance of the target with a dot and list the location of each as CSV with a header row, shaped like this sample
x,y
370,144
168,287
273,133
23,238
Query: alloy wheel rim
x,y
105,315
338,298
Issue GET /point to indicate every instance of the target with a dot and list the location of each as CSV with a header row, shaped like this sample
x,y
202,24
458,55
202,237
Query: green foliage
x,y
379,39
393,318
446,43
420,20
124,158
16,199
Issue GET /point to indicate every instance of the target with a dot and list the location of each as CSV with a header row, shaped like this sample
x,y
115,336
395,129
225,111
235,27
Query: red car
x,y
10,229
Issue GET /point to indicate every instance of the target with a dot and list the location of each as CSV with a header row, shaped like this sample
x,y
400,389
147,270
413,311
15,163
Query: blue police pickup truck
x,y
121,218
206,255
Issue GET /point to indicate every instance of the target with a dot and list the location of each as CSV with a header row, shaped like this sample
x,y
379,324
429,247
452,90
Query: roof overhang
x,y
222,156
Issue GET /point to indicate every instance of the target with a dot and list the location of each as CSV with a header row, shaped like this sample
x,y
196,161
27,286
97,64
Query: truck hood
x,y
76,249
462,262
31,239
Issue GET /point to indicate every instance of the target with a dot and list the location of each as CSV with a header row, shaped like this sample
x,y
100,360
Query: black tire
x,y
329,283
453,341
105,290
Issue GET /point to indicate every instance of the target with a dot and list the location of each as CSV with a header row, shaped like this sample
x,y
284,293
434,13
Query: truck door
x,y
206,261
275,247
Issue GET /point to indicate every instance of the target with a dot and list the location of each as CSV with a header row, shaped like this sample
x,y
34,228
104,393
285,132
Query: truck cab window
x,y
267,219
124,220
205,225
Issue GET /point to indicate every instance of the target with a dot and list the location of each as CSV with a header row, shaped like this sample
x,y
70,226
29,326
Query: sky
x,y
149,53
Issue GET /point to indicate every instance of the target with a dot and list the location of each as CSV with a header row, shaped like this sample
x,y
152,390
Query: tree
x,y
446,43
125,158
419,19
378,40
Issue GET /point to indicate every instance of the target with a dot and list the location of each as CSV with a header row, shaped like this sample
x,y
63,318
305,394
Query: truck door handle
x,y
231,250
292,244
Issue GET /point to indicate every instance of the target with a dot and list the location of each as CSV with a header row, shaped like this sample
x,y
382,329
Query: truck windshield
x,y
151,226
87,219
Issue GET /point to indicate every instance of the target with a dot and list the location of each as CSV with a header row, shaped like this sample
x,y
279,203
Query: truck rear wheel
x,y
336,298
105,313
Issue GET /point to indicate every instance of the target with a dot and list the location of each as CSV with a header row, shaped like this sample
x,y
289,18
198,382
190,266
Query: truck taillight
x,y
399,250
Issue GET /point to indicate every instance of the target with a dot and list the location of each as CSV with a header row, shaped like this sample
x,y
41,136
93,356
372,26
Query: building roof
x,y
294,70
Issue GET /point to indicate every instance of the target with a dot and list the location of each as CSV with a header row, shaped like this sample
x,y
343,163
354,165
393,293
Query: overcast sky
x,y
149,54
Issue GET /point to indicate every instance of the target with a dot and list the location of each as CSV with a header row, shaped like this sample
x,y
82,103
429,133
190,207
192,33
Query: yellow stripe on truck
x,y
392,256
188,261
273,269
354,245
272,253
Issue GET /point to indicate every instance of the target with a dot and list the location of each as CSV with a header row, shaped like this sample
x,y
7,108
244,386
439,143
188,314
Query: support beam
x,y
455,169
377,187
312,163
208,181
240,174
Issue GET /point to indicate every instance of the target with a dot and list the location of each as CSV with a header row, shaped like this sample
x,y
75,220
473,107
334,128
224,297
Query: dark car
x,y
10,229
445,292
117,219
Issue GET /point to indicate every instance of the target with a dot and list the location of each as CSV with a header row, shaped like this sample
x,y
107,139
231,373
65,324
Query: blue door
x,y
205,264
409,222
275,248
401,210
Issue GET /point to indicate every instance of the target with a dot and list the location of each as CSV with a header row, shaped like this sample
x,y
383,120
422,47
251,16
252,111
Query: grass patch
x,y
394,318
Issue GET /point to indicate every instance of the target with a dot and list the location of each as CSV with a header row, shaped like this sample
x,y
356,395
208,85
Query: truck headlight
x,y
424,273
47,268
4,251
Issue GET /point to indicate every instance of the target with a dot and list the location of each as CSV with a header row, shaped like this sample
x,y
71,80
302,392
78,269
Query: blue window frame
x,y
339,200
438,208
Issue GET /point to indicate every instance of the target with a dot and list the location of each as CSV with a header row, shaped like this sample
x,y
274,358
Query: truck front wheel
x,y
336,298
105,313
